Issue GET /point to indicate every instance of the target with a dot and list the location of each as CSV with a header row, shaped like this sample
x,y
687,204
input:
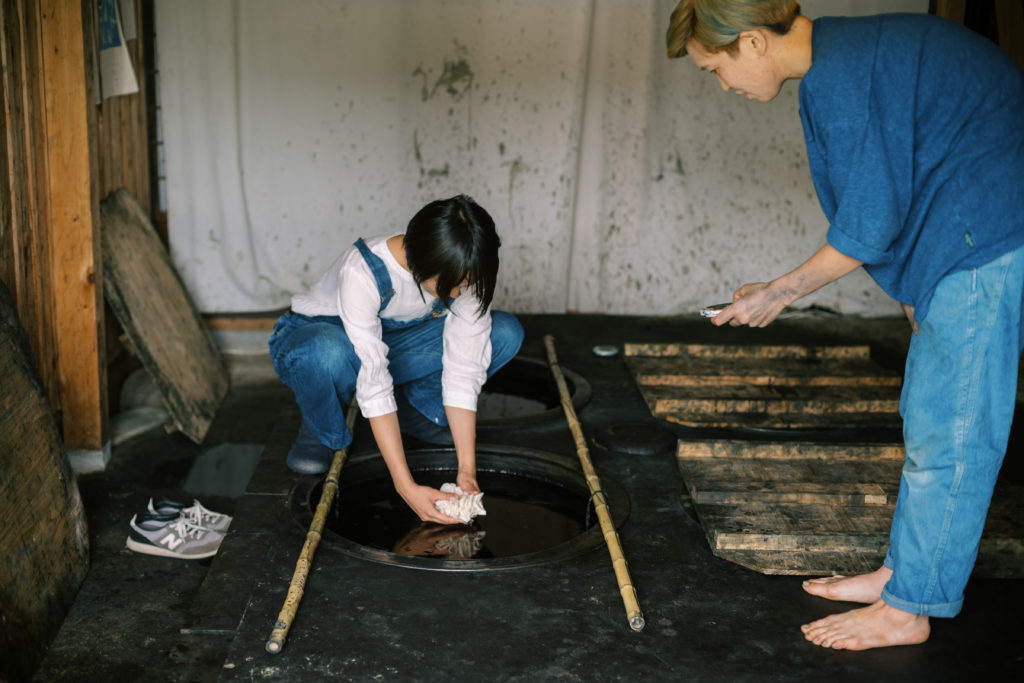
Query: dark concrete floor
x,y
139,617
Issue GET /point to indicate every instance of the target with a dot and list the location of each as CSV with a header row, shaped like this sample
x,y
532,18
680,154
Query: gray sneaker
x,y
196,513
168,536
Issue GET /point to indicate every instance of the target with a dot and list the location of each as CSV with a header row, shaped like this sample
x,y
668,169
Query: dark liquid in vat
x,y
524,515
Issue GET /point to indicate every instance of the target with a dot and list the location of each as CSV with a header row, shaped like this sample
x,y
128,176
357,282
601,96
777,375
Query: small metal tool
x,y
712,311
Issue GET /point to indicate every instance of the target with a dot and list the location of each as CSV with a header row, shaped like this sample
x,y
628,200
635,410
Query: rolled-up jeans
x,y
957,405
313,356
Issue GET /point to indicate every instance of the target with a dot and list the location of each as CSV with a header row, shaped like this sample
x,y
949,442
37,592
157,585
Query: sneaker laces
x,y
187,529
197,514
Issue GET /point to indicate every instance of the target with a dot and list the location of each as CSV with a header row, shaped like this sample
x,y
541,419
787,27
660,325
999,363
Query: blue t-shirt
x,y
915,137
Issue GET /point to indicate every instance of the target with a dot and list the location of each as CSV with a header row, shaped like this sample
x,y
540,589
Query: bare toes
x,y
826,579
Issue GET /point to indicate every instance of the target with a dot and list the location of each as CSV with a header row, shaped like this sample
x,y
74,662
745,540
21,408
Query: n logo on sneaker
x,y
171,541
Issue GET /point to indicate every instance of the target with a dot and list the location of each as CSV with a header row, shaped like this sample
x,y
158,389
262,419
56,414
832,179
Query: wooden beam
x,y
1010,22
75,268
243,321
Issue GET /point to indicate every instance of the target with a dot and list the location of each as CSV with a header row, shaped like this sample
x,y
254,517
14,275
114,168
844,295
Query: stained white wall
x,y
621,182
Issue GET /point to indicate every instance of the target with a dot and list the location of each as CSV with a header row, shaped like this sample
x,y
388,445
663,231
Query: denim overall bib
x,y
406,345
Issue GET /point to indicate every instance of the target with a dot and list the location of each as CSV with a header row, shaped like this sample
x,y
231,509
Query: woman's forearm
x,y
389,440
462,422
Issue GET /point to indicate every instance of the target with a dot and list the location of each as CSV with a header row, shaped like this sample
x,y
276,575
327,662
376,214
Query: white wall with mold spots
x,y
620,181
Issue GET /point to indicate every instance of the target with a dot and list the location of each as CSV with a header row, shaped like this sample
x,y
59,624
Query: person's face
x,y
430,286
746,73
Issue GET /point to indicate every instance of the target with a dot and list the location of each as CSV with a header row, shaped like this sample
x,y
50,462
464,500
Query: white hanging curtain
x,y
620,181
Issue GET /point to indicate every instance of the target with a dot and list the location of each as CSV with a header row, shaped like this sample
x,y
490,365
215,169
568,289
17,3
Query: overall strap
x,y
380,273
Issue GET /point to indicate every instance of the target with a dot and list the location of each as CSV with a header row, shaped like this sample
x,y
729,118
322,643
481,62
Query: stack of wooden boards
x,y
792,505
781,386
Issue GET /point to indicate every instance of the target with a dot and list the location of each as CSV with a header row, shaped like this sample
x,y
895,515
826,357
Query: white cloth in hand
x,y
464,508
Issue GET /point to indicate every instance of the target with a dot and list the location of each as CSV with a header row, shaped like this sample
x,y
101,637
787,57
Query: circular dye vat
x,y
525,391
538,510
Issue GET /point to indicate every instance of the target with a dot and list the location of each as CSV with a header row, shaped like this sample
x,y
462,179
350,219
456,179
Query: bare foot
x,y
877,625
866,588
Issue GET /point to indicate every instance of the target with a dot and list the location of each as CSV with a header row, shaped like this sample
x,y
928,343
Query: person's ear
x,y
756,41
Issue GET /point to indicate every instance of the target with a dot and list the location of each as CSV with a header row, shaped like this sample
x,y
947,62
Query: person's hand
x,y
422,498
755,304
467,482
909,311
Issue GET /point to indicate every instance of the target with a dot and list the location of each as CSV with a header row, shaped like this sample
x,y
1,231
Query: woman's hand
x,y
421,500
467,482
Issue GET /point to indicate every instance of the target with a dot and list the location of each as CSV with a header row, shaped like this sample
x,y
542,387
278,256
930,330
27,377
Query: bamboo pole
x,y
298,584
611,537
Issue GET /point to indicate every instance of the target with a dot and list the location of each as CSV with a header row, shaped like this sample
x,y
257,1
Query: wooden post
x,y
74,267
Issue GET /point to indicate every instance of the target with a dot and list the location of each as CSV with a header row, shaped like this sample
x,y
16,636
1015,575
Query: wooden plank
x,y
8,91
995,561
770,407
701,372
842,482
998,558
160,318
736,448
827,528
790,493
763,399
797,563
73,259
752,351
21,238
243,321
44,331
781,421
722,473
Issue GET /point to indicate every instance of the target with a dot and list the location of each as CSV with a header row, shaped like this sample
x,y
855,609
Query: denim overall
x,y
313,356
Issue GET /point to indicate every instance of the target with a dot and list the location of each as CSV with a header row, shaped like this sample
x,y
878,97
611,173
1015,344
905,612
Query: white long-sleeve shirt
x,y
348,289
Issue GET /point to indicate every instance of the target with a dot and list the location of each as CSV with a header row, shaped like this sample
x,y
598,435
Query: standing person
x,y
404,322
915,140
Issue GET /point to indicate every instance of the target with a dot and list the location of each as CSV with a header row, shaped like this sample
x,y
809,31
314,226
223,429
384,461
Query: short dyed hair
x,y
717,24
454,239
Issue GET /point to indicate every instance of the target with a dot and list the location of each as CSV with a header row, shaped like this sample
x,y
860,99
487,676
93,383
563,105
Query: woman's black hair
x,y
454,239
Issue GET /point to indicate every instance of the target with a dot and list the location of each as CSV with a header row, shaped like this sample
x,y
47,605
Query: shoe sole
x,y
149,549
